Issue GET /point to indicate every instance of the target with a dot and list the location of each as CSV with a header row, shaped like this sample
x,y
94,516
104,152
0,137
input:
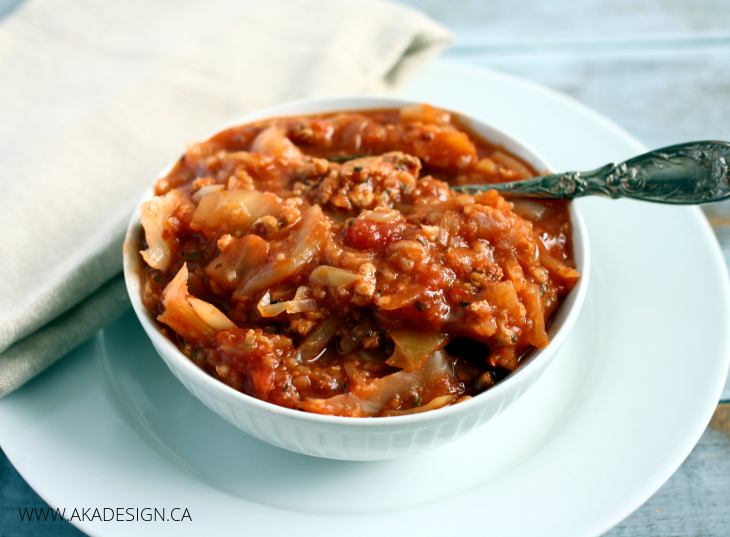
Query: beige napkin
x,y
96,97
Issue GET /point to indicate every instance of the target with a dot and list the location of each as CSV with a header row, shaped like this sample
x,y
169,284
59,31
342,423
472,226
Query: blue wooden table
x,y
657,68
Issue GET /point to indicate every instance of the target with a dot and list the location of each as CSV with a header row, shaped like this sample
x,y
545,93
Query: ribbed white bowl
x,y
361,438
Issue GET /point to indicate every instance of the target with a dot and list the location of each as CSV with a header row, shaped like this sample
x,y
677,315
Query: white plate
x,y
621,407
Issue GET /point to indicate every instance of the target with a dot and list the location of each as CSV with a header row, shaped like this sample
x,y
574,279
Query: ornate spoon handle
x,y
688,174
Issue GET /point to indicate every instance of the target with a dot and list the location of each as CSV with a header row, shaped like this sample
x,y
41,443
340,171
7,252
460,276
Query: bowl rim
x,y
573,302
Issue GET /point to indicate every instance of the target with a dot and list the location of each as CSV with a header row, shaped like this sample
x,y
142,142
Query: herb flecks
x,y
420,305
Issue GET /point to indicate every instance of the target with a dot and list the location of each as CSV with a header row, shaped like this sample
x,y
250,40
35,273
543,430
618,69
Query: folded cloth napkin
x,y
98,96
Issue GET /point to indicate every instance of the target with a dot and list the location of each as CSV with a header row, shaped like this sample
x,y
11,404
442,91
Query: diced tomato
x,y
370,235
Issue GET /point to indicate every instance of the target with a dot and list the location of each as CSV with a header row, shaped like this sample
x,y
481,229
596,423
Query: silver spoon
x,y
683,174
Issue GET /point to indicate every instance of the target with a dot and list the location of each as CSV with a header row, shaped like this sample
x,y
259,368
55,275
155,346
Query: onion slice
x,y
332,276
377,393
190,317
153,215
413,347
317,339
298,304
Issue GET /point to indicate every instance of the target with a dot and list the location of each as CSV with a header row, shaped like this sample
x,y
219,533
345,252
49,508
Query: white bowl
x,y
362,438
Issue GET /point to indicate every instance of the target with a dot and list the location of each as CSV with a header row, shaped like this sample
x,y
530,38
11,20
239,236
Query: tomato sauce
x,y
323,263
